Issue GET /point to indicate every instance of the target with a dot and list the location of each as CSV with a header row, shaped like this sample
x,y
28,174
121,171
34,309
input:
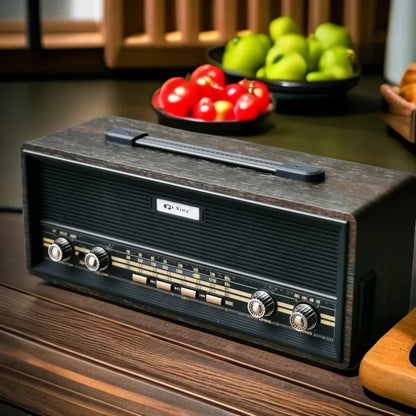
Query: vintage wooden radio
x,y
306,255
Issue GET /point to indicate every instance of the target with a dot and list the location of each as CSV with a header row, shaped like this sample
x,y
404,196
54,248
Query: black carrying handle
x,y
290,170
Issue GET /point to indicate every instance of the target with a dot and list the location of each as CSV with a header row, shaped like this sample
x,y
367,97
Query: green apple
x,y
331,34
340,71
337,55
338,61
316,76
246,54
273,55
264,40
282,25
291,66
261,72
291,42
314,52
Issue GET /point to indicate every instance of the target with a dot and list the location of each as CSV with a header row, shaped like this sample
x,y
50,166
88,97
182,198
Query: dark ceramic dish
x,y
235,128
290,89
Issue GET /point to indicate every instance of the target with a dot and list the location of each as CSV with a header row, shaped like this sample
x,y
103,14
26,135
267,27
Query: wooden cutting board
x,y
389,368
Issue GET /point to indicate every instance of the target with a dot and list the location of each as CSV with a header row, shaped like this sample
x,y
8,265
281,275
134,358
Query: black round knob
x,y
60,250
261,304
97,259
304,317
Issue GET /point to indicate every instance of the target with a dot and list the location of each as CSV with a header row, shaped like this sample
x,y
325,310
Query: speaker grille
x,y
276,244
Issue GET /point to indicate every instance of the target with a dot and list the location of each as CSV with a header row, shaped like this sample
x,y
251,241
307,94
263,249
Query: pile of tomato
x,y
204,95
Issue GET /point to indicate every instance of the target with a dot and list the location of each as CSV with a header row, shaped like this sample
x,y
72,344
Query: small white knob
x,y
303,318
60,250
261,304
97,259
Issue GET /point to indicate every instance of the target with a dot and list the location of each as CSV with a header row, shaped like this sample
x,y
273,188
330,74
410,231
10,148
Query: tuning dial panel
x,y
304,317
97,259
261,305
269,310
60,250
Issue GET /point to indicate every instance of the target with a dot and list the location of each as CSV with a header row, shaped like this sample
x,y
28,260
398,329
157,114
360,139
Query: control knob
x,y
97,259
304,317
60,250
261,304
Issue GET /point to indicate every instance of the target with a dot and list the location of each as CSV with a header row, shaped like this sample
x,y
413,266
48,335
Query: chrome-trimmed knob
x,y
304,317
261,305
97,259
60,250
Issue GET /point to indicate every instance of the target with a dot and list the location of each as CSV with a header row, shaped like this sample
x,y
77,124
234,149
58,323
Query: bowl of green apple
x,y
292,65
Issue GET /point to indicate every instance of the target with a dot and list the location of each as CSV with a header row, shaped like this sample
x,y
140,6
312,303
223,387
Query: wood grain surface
x,y
387,369
65,353
400,114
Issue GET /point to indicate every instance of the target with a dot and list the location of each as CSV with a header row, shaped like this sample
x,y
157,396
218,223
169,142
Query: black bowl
x,y
223,128
284,89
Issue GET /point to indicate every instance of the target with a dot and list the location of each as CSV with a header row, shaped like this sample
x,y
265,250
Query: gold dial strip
x,y
193,282
212,288
168,275
287,309
327,317
48,241
82,249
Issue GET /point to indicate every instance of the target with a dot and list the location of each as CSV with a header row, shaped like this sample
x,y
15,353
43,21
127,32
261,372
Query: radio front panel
x,y
272,276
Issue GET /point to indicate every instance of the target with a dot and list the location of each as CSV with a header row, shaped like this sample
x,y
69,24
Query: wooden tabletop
x,y
63,353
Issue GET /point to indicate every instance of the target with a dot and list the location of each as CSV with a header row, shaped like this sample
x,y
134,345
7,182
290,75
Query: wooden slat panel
x,y
295,9
125,20
154,20
114,33
258,15
225,18
359,17
319,11
188,20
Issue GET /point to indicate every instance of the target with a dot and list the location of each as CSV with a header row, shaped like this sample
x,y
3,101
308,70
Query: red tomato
x,y
260,91
207,87
204,109
212,71
224,110
246,107
177,96
232,92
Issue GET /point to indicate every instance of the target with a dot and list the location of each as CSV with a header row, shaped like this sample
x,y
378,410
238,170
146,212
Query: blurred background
x,y
110,34
66,61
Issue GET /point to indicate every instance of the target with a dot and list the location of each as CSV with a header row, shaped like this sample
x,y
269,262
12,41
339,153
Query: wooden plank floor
x,y
65,353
